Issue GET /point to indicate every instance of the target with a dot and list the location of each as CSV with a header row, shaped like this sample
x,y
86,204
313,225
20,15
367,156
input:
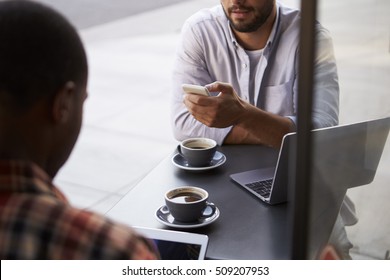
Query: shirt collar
x,y
273,31
26,177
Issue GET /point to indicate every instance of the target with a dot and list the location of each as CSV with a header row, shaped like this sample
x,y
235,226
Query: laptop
x,y
269,184
343,158
176,245
349,154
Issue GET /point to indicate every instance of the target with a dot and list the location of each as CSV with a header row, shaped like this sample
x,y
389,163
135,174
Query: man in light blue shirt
x,y
246,52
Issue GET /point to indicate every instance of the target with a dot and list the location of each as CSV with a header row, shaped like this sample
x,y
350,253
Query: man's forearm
x,y
260,127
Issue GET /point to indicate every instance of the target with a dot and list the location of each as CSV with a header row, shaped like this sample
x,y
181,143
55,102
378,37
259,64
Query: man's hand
x,y
220,111
251,125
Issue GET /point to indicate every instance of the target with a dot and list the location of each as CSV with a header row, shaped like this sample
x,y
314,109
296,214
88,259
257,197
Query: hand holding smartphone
x,y
195,89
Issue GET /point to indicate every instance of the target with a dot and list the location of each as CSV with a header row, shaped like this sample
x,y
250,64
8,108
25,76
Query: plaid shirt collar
x,y
23,176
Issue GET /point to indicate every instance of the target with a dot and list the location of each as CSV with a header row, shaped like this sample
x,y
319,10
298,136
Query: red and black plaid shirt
x,y
37,222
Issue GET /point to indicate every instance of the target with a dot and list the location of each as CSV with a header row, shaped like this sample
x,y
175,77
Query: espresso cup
x,y
188,204
198,151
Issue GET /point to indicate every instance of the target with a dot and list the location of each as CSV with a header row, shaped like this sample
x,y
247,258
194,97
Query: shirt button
x,y
244,66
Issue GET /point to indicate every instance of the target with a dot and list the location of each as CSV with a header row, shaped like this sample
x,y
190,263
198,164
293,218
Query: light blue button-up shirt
x,y
209,52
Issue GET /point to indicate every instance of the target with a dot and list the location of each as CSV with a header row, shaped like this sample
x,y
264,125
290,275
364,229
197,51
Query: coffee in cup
x,y
198,151
188,204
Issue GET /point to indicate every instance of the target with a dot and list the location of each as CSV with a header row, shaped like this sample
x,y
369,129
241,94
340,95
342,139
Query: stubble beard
x,y
260,17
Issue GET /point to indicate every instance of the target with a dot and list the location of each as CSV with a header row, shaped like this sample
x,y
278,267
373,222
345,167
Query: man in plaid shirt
x,y
43,80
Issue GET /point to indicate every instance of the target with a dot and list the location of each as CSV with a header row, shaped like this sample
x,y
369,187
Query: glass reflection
x,y
361,39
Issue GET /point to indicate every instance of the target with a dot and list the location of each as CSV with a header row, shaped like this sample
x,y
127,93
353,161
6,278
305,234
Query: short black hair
x,y
39,52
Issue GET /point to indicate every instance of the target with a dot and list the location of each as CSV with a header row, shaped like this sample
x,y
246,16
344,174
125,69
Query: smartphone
x,y
201,90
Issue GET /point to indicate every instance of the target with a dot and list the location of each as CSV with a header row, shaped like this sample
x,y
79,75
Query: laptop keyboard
x,y
263,188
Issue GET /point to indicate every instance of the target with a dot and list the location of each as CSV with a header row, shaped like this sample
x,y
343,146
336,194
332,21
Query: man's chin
x,y
242,27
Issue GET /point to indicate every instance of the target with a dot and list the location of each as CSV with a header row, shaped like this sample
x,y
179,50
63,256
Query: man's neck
x,y
22,139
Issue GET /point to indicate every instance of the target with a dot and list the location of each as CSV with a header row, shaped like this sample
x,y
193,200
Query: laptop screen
x,y
343,157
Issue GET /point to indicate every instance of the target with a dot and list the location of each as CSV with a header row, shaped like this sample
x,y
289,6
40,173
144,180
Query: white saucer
x,y
164,216
179,161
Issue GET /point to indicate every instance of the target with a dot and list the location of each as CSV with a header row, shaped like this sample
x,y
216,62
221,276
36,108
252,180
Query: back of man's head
x,y
39,52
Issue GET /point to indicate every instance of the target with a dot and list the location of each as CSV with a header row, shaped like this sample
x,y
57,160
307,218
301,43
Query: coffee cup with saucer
x,y
187,206
198,154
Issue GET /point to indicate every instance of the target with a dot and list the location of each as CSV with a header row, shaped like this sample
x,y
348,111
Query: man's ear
x,y
62,103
